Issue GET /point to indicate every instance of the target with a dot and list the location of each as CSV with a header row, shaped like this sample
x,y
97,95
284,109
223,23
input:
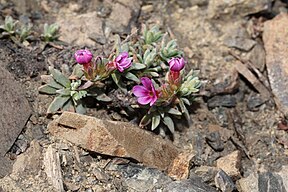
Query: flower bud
x,y
83,56
176,64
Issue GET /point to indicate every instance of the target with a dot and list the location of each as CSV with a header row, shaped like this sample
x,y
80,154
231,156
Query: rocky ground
x,y
237,140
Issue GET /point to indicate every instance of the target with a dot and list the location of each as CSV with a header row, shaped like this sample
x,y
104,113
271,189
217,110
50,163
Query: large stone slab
x,y
275,41
14,113
114,138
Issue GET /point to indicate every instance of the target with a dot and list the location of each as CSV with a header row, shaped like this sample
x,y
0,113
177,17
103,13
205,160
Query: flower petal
x,y
146,82
144,100
140,91
153,100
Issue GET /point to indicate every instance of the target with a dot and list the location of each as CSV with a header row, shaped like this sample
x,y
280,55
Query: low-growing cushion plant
x,y
147,66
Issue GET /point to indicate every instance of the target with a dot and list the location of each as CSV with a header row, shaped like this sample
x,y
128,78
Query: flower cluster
x,y
148,67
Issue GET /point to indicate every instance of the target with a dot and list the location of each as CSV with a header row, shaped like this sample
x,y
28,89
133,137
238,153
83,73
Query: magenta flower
x,y
122,61
146,93
83,56
176,64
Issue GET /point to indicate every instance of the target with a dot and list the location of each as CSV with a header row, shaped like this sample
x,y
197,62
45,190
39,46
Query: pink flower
x,y
176,64
146,93
83,56
122,61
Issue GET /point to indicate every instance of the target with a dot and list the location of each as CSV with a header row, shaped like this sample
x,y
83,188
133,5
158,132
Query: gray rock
x,y
222,101
206,173
242,44
265,182
140,178
224,182
193,184
13,116
269,182
123,16
81,28
227,8
214,141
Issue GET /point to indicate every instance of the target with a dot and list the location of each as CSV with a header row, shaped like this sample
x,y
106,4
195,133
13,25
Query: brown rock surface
x,y
14,113
180,167
114,138
275,41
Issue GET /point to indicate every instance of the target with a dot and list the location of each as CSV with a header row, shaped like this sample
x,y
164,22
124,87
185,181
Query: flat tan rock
x,y
230,164
180,167
114,138
275,42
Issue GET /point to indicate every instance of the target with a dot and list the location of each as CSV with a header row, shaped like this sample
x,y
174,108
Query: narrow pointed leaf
x,y
132,77
169,123
186,101
57,103
80,109
46,89
174,111
77,71
59,77
155,122
145,121
117,80
138,66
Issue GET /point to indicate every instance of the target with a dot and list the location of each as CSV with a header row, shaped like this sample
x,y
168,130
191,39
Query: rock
x,y
53,168
214,141
222,101
254,102
230,164
275,42
241,43
265,181
114,138
30,161
248,184
284,175
257,57
206,173
100,175
218,8
180,167
193,184
140,178
270,182
123,16
13,118
77,29
224,182
243,70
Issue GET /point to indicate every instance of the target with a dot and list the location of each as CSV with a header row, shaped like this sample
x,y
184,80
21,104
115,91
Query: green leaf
x,y
145,121
80,108
64,92
57,103
169,123
184,110
155,122
103,97
46,89
154,74
138,66
77,71
186,101
53,83
118,82
132,77
59,77
68,106
174,111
